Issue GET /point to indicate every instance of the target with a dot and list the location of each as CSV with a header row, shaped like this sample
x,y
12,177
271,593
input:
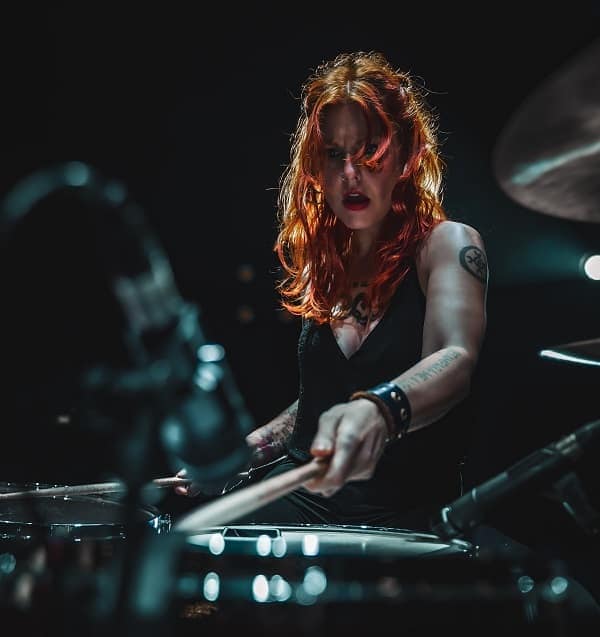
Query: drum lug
x,y
163,524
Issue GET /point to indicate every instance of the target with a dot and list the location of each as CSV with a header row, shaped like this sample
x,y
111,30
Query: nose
x,y
351,169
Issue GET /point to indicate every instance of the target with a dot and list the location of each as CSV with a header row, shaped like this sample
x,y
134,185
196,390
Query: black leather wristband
x,y
397,402
390,423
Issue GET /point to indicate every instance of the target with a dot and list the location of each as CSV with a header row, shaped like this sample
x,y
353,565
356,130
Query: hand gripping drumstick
x,y
90,489
232,506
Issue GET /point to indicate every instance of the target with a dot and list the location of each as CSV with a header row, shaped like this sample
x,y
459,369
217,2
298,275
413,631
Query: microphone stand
x,y
541,467
553,464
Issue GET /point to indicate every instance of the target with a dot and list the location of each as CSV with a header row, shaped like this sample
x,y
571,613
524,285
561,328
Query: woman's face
x,y
359,197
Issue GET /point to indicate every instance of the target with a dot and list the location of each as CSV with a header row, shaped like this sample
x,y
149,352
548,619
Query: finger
x,y
313,485
347,445
367,457
316,486
324,441
347,448
183,489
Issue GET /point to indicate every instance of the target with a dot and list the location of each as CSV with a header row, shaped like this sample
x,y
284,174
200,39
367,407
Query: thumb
x,y
185,488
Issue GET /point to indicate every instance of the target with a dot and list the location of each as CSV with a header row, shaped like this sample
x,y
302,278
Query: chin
x,y
359,224
353,222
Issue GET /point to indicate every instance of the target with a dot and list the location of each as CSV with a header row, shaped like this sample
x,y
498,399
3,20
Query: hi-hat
x,y
580,352
547,158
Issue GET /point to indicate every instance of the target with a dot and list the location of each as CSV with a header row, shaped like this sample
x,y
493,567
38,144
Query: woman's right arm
x,y
269,442
266,443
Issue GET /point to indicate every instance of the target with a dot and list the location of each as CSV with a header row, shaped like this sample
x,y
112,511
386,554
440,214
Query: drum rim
x,y
152,513
381,531
22,486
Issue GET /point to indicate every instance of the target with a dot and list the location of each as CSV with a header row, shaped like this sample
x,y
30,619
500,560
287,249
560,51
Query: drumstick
x,y
232,506
89,489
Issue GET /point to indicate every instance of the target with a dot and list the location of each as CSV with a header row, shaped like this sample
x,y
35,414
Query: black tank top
x,y
423,468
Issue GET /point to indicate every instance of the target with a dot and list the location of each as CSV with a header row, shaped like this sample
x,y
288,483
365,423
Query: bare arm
x,y
453,272
269,441
266,443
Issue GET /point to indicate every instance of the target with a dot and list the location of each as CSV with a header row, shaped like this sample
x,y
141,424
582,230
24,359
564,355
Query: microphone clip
x,y
569,492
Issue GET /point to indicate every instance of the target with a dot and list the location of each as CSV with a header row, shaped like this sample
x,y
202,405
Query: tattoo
x,y
359,309
474,262
270,441
429,372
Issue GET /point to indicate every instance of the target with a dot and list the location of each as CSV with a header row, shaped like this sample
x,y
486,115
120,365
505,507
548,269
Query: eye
x,y
334,153
371,149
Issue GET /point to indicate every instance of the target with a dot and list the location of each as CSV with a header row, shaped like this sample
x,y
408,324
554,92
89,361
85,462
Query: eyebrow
x,y
366,142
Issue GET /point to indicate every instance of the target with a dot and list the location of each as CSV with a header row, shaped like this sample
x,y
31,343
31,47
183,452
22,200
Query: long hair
x,y
313,247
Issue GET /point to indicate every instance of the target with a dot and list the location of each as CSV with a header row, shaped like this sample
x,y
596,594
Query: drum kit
x,y
91,558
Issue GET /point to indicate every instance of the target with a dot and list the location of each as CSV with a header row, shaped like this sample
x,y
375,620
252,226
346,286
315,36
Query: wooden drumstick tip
x,y
91,489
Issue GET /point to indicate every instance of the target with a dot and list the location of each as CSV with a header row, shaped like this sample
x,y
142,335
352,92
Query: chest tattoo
x,y
359,310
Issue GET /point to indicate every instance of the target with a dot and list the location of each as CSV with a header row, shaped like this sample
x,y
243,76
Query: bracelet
x,y
393,404
383,408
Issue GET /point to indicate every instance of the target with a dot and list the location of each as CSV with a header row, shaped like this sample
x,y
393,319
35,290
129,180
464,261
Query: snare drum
x,y
335,580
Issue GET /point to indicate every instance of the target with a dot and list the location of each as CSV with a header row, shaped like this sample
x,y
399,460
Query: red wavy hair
x,y
313,247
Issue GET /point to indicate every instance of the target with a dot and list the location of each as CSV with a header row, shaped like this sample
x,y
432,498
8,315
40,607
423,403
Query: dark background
x,y
193,113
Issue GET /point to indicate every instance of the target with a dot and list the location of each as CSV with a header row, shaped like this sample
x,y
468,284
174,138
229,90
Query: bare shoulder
x,y
452,234
453,242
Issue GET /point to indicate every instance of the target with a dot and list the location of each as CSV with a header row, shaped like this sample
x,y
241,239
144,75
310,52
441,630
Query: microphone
x,y
178,376
540,467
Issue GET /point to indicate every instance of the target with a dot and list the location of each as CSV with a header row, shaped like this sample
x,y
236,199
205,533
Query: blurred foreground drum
x,y
340,580
60,557
68,517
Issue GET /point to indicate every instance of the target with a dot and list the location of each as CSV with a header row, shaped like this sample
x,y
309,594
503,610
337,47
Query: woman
x,y
392,299
392,296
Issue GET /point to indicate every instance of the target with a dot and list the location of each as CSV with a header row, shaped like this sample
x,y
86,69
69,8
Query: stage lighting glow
x,y
591,267
212,586
260,588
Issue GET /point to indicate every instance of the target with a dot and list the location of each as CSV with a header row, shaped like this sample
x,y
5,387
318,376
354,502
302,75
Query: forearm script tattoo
x,y
473,260
432,370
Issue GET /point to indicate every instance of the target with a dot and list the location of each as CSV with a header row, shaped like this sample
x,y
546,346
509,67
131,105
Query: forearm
x,y
269,441
436,384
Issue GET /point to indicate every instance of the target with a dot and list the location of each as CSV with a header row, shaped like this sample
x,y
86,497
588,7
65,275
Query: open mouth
x,y
355,201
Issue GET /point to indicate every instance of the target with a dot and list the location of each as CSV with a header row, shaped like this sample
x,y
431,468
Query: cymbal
x,y
581,352
547,158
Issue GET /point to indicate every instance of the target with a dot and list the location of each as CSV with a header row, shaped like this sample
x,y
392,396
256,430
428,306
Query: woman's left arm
x,y
453,269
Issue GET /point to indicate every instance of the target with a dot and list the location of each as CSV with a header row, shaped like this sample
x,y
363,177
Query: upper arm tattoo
x,y
474,261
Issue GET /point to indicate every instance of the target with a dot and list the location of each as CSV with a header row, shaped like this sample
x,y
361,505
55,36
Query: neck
x,y
362,267
364,242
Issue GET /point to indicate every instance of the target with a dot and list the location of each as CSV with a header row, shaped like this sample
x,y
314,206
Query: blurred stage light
x,y
590,264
